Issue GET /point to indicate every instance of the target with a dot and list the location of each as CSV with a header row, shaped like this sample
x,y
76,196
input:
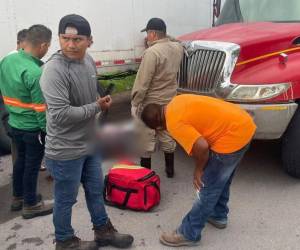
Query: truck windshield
x,y
260,10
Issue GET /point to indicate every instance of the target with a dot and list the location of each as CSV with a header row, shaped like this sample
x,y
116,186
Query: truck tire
x,y
291,145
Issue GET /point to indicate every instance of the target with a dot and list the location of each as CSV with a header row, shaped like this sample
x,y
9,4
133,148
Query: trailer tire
x,y
291,145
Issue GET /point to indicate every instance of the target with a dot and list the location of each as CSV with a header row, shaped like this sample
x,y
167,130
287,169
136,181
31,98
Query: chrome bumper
x,y
271,119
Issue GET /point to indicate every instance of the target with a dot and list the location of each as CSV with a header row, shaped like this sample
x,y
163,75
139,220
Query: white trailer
x,y
116,24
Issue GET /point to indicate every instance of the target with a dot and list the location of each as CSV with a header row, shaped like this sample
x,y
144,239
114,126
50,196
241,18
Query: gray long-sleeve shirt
x,y
70,91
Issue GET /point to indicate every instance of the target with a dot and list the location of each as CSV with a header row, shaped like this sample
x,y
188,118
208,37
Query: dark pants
x,y
30,152
67,178
214,196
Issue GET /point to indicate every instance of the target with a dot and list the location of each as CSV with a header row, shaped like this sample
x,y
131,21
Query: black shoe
x,y
146,162
108,235
76,244
169,161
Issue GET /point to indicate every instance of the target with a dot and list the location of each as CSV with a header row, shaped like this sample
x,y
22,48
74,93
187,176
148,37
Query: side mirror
x,y
216,10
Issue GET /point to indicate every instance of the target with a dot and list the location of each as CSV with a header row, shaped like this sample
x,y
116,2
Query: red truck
x,y
252,57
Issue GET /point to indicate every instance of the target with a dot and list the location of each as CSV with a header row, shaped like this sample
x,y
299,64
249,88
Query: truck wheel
x,y
291,145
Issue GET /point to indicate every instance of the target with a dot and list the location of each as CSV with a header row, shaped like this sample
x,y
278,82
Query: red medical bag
x,y
133,187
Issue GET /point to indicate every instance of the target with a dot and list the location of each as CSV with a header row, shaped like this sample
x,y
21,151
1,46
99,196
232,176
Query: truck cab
x,y
252,58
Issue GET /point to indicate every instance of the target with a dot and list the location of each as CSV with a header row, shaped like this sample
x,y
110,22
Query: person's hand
x,y
41,137
104,102
134,111
197,179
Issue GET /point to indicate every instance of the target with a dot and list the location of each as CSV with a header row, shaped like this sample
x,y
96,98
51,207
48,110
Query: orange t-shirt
x,y
225,126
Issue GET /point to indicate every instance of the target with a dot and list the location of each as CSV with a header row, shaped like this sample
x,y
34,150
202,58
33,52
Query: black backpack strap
x,y
126,199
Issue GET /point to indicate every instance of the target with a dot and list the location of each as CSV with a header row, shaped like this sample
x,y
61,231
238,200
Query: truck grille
x,y
201,71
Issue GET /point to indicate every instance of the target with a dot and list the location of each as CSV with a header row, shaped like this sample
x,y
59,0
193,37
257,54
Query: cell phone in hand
x,y
110,88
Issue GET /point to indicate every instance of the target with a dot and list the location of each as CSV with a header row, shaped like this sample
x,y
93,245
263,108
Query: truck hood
x,y
255,39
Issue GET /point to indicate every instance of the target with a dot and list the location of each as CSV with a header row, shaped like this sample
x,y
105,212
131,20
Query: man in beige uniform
x,y
156,82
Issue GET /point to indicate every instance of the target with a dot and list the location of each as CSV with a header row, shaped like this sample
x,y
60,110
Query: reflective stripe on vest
x,y
17,103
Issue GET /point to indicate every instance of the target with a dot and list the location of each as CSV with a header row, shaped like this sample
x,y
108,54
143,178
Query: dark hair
x,y
21,36
160,34
38,34
151,116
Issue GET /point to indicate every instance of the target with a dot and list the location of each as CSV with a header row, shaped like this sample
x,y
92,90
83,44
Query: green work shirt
x,y
20,74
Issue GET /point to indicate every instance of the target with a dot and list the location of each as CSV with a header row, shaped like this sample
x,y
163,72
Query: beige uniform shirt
x,y
156,80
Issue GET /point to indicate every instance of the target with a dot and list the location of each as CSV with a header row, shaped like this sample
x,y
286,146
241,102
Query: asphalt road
x,y
264,207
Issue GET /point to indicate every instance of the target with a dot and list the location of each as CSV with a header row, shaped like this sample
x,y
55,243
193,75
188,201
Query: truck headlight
x,y
252,93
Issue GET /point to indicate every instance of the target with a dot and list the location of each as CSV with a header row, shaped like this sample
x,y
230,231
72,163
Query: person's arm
x,y
38,103
60,110
144,78
200,153
194,144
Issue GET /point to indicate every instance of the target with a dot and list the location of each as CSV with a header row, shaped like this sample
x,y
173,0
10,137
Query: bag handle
x,y
109,203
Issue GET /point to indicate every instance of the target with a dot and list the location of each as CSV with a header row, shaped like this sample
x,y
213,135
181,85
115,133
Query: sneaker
x,y
40,209
16,204
175,239
76,244
108,235
217,223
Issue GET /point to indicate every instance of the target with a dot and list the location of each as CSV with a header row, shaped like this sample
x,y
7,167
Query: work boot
x,y
108,235
146,162
17,203
76,244
169,161
175,239
39,209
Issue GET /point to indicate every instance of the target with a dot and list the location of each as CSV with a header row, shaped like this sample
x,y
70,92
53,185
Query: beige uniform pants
x,y
151,140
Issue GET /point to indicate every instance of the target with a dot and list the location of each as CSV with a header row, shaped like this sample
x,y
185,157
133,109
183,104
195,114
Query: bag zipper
x,y
123,188
146,177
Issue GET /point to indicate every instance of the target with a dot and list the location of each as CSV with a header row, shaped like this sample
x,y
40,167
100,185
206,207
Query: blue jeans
x,y
67,176
30,153
214,196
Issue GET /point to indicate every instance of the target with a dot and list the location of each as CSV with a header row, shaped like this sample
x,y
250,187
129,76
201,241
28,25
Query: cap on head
x,y
156,24
75,25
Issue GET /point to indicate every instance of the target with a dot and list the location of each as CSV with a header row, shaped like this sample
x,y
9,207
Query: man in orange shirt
x,y
217,135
